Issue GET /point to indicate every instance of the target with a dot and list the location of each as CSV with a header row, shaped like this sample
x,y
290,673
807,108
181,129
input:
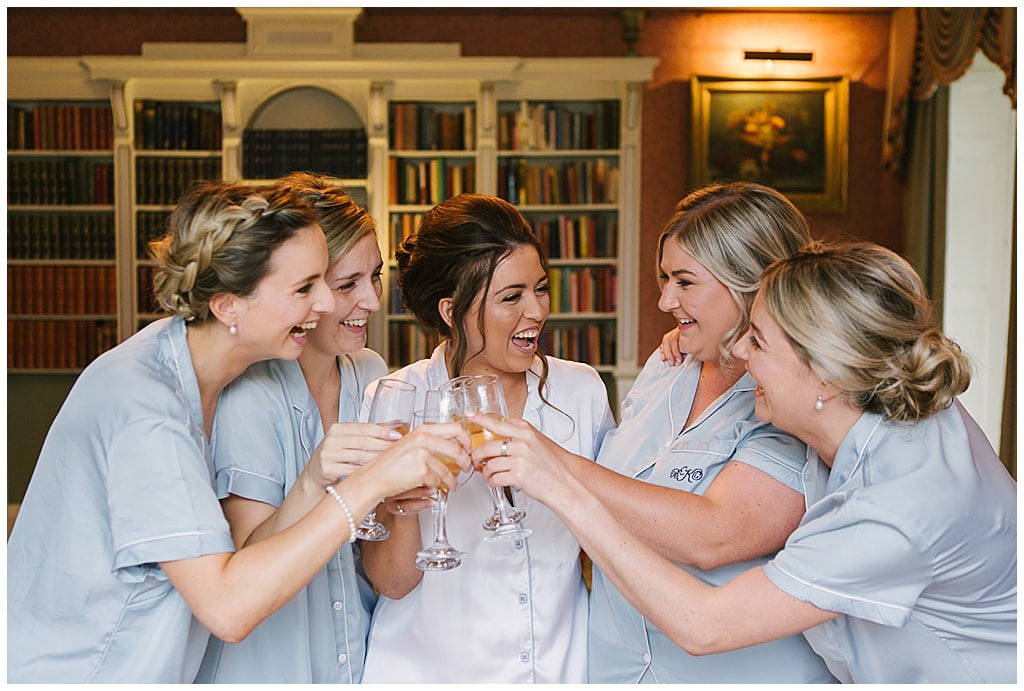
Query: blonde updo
x,y
220,240
859,316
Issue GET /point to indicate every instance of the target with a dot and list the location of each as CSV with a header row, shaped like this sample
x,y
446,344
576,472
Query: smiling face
x,y
702,305
786,386
288,302
515,309
354,281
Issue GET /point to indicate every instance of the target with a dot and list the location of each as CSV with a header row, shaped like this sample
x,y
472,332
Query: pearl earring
x,y
820,403
233,329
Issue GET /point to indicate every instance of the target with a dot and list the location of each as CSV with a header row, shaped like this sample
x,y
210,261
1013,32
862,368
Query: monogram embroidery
x,y
686,474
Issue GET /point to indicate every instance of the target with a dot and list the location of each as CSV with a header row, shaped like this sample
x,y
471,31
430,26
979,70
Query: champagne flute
x,y
483,394
392,406
440,406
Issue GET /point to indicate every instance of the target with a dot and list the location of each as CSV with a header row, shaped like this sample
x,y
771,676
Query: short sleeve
x,y
852,557
161,499
774,452
251,439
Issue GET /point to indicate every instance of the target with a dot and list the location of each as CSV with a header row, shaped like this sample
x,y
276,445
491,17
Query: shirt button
x,y
524,657
343,658
647,657
522,598
519,543
338,606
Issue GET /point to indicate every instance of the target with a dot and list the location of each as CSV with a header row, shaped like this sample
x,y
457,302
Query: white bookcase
x,y
300,70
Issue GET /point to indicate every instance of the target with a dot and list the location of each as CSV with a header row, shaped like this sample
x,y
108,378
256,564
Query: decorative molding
x,y
280,32
229,106
118,107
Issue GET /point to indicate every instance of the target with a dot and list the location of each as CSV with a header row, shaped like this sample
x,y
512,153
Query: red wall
x,y
688,42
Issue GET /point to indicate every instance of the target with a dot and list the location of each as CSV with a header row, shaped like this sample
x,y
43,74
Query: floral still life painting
x,y
789,135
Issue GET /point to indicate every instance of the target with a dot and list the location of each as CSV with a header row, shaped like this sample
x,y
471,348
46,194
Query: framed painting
x,y
788,134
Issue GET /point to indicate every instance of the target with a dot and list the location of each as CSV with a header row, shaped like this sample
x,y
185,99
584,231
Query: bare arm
x,y
344,448
744,514
699,618
391,564
231,593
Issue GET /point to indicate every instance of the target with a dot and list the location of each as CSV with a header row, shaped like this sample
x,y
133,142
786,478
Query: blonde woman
x,y
690,471
270,471
904,567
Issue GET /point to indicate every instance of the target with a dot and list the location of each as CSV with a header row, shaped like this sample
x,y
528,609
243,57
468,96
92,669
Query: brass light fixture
x,y
804,56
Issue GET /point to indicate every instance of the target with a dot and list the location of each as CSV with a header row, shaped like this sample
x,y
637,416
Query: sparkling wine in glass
x,y
393,404
440,406
483,394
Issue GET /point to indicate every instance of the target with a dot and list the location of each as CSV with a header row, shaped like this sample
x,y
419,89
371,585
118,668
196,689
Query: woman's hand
x,y
670,350
414,461
409,503
522,457
345,448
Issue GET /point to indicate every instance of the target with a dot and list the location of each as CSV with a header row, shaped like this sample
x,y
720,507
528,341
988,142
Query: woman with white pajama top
x,y
514,611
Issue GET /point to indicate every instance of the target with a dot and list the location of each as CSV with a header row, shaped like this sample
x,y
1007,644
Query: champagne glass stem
x,y
500,505
441,518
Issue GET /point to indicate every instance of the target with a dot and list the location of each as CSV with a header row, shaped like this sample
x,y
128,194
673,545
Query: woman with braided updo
x,y
904,567
121,562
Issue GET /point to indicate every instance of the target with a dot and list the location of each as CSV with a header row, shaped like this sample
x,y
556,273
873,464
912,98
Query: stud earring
x,y
820,403
233,329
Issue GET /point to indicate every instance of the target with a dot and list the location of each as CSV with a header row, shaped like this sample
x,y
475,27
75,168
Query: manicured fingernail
x,y
395,434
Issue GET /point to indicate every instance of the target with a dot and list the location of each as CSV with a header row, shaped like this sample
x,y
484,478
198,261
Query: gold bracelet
x,y
348,512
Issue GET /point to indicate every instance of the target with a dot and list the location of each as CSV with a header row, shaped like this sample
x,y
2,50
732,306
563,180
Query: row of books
x,y
59,127
177,126
270,154
590,343
60,236
59,181
429,127
550,126
409,342
566,236
164,180
149,225
582,289
67,289
572,289
577,236
66,345
401,226
146,302
581,181
430,181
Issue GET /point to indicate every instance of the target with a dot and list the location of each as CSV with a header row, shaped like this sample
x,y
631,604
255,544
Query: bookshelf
x,y
559,162
175,142
61,259
431,157
416,124
560,140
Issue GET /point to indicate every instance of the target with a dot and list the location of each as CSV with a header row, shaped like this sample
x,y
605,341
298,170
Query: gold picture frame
x,y
789,134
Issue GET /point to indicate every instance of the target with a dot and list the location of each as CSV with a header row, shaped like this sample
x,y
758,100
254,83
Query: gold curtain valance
x,y
930,47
